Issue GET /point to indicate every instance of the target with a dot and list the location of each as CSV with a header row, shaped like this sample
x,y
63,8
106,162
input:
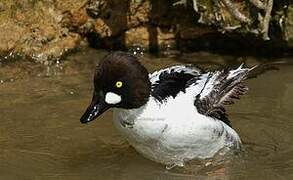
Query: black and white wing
x,y
170,81
221,88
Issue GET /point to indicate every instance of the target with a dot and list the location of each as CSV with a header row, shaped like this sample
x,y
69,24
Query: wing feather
x,y
170,81
221,88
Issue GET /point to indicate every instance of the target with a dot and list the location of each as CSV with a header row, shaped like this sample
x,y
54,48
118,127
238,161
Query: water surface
x,y
41,136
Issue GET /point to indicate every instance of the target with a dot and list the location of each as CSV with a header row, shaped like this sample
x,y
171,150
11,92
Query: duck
x,y
171,116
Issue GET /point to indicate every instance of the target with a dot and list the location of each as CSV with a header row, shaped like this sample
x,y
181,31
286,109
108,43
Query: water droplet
x,y
137,49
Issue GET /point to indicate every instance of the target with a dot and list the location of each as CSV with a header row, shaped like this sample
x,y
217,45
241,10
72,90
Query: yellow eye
x,y
119,84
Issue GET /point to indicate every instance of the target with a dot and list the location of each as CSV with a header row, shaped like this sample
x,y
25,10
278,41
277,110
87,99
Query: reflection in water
x,y
41,136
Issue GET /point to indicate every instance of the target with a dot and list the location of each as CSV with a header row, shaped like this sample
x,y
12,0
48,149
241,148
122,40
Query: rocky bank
x,y
46,30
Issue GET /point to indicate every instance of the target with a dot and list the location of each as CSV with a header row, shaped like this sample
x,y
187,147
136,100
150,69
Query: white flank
x,y
174,132
112,98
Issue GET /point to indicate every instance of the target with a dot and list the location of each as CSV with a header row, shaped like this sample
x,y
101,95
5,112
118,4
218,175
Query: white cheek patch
x,y
112,98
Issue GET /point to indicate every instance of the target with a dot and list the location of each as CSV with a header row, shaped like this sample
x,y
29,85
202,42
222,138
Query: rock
x,y
96,7
150,37
195,32
137,36
2,7
112,17
33,29
138,14
9,36
102,29
140,23
289,26
166,34
47,29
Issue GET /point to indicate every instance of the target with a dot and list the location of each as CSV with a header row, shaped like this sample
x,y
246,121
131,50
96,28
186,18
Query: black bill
x,y
96,108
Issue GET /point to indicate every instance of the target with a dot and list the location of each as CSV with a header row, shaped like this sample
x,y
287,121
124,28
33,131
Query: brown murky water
x,y
41,136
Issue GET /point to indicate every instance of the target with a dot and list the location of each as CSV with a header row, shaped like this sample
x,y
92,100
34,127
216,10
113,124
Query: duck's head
x,y
120,81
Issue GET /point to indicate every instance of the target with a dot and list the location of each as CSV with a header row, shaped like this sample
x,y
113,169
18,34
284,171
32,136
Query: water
x,y
41,136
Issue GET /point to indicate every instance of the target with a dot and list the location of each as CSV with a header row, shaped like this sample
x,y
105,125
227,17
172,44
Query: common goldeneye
x,y
172,115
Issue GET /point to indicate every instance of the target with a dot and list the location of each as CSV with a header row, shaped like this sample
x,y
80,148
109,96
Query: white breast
x,y
174,132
